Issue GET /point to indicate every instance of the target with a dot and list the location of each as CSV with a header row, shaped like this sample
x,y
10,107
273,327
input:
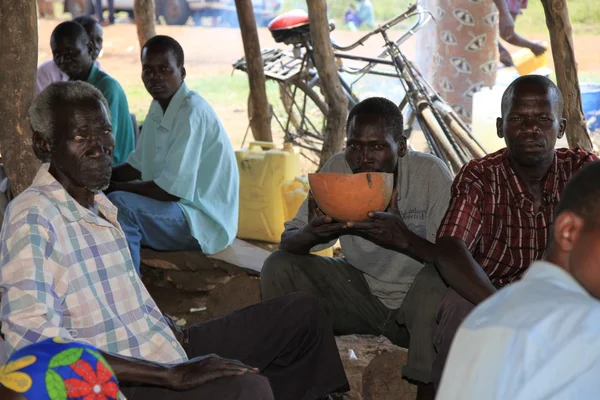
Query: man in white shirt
x,y
540,337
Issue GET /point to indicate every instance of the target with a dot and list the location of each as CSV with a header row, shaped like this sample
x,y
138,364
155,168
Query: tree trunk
x,y
335,129
259,110
145,18
18,58
561,39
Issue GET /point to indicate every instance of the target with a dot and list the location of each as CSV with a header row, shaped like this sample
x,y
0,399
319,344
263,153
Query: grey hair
x,y
59,94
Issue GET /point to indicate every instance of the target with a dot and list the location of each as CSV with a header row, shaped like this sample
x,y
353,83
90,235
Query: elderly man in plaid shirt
x,y
66,271
503,204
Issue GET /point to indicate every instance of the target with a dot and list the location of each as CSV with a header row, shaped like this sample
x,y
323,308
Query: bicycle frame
x,y
442,127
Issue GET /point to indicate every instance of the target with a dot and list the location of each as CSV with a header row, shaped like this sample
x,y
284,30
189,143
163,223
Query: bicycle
x,y
304,108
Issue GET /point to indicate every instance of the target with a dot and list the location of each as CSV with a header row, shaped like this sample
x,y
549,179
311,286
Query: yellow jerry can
x,y
526,62
263,168
294,193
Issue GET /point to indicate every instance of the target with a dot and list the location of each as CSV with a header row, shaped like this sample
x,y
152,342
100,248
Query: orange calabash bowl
x,y
350,197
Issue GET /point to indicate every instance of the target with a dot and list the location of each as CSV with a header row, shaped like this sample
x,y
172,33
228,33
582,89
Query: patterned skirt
x,y
466,51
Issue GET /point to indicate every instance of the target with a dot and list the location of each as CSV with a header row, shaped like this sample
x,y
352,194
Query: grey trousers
x,y
454,309
352,309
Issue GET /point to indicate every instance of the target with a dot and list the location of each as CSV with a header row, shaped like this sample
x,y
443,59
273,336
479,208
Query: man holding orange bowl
x,y
386,284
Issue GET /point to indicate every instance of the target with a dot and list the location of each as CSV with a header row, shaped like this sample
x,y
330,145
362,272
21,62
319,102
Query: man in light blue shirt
x,y
540,337
187,193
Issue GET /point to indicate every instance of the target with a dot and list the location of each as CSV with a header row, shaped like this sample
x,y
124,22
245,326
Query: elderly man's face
x,y
71,55
83,144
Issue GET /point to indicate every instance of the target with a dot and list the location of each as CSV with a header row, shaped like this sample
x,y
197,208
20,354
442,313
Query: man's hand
x,y
384,228
537,48
321,225
200,370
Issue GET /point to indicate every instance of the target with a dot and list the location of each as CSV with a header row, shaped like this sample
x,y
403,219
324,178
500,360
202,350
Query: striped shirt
x,y
494,214
67,272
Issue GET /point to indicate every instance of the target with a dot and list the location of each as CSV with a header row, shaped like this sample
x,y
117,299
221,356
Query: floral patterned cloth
x,y
56,369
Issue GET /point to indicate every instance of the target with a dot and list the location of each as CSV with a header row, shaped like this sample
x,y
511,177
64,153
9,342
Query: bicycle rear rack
x,y
279,65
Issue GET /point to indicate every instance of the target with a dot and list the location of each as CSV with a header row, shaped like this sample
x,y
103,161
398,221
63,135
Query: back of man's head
x,y
69,29
575,234
59,96
582,195
165,43
383,108
532,80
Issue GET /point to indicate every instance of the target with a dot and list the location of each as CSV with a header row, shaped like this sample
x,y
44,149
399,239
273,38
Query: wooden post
x,y
18,61
259,109
561,40
335,129
145,18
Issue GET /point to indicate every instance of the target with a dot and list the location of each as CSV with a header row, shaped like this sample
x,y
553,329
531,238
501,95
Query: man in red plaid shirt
x,y
502,205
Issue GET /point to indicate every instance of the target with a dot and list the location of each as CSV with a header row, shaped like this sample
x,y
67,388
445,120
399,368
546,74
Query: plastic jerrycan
x,y
294,193
526,62
263,168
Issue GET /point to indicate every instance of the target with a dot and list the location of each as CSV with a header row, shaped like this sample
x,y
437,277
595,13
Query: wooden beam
x,y
18,61
259,110
563,52
335,129
145,20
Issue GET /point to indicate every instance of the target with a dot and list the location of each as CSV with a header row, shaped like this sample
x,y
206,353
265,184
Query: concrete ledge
x,y
240,254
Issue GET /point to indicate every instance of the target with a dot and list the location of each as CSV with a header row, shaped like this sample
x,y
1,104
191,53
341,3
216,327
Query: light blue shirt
x,y
536,339
187,153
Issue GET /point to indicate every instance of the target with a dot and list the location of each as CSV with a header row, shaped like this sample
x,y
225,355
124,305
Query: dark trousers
x,y
452,312
288,339
111,11
353,309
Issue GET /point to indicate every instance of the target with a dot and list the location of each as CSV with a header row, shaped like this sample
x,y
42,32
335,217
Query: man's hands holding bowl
x,y
321,225
384,228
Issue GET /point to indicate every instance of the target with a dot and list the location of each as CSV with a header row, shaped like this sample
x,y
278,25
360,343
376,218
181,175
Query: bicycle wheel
x,y
300,112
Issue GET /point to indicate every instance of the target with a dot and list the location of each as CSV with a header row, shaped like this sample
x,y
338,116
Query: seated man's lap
x,y
161,224
341,288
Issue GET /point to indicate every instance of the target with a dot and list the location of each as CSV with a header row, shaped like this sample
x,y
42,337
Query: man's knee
x,y
276,276
453,308
254,387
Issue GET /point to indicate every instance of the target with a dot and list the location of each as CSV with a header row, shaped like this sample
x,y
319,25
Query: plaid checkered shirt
x,y
67,272
494,214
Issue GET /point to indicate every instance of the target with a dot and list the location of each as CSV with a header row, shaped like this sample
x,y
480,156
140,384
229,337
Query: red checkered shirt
x,y
494,215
